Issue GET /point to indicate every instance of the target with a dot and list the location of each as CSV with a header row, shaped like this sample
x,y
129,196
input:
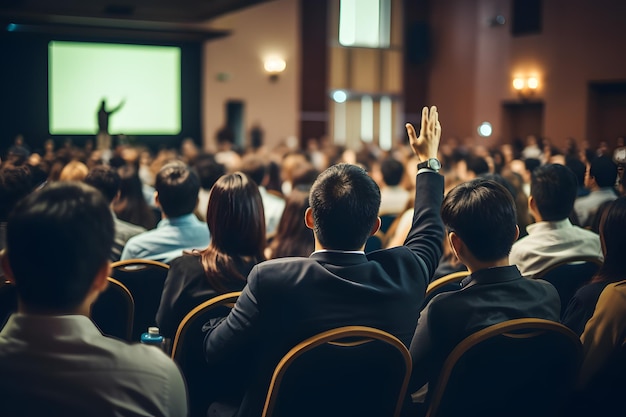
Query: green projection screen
x,y
145,80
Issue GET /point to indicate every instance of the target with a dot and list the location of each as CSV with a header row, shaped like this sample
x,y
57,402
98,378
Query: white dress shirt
x,y
550,242
64,366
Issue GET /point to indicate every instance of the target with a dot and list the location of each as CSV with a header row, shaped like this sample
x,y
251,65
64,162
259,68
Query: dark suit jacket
x,y
489,296
288,300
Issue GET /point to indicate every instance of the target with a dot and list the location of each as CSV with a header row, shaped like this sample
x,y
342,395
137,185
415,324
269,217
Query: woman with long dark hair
x,y
613,241
293,237
237,225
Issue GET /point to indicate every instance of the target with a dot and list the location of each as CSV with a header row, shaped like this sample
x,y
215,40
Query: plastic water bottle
x,y
152,337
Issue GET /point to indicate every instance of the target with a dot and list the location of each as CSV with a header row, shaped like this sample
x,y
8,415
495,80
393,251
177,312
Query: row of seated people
x,y
284,300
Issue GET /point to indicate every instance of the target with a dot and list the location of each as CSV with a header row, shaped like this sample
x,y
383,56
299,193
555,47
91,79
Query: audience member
x,y
54,360
273,205
552,238
600,180
74,171
579,169
480,217
289,299
177,196
131,206
235,222
293,238
107,181
209,171
612,227
393,198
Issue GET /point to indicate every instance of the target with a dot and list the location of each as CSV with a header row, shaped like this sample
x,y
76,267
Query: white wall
x,y
269,28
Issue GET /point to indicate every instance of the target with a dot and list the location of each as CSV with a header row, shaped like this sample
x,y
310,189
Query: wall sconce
x,y
525,87
274,66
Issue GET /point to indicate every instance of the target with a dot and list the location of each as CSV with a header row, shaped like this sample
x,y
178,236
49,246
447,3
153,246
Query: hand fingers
x,y
410,130
424,120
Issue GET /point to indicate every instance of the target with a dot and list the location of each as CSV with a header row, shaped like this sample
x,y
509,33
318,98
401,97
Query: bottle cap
x,y
153,330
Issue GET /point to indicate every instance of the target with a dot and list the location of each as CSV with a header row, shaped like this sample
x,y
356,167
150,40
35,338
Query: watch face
x,y
434,164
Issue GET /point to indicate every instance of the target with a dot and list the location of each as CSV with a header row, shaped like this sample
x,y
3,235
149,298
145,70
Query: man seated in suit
x,y
480,217
107,181
53,359
290,299
552,238
177,196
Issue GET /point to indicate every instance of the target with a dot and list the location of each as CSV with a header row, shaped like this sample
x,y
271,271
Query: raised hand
x,y
427,144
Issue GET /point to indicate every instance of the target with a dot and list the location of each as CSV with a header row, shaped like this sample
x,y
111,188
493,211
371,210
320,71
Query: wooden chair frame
x,y
506,328
445,280
228,299
124,264
333,336
129,297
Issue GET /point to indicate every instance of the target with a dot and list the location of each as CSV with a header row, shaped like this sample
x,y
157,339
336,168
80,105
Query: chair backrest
x,y
522,367
114,310
144,279
188,352
353,370
569,275
8,301
450,282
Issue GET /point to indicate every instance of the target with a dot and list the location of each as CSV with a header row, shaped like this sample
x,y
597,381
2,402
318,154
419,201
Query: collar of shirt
x,y
549,225
354,252
492,275
184,220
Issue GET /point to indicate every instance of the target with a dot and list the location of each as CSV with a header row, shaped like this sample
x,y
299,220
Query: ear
x,y
100,281
456,244
516,233
156,199
117,197
376,226
6,267
532,207
308,218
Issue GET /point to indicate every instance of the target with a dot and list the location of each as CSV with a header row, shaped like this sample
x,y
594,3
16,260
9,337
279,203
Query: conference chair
x,y
569,275
522,367
114,310
144,279
348,371
188,352
450,282
8,301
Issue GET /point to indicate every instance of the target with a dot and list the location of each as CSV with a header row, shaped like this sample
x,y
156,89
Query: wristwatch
x,y
430,163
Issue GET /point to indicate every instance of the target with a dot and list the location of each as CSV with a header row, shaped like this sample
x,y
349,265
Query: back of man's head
x,y
392,171
177,187
15,183
208,170
58,239
604,171
578,168
482,213
344,201
106,180
554,189
254,167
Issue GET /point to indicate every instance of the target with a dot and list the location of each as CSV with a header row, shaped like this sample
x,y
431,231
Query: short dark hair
x,y
16,182
554,188
478,165
178,189
208,170
578,168
604,171
345,203
57,240
482,213
392,171
104,179
531,164
254,167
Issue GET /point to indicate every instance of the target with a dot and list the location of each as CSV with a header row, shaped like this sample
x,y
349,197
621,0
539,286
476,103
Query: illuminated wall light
x,y
518,83
532,83
485,129
274,66
340,96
